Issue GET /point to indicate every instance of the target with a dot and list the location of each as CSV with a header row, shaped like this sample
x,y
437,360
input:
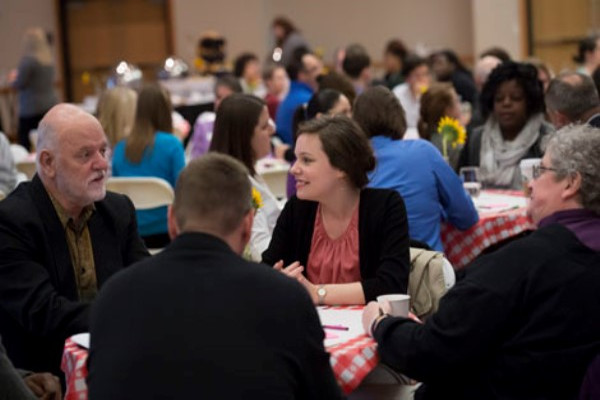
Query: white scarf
x,y
499,159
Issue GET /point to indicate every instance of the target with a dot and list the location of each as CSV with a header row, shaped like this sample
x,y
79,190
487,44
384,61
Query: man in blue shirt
x,y
303,72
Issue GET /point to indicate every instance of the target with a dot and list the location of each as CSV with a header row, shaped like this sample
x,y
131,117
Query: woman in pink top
x,y
345,243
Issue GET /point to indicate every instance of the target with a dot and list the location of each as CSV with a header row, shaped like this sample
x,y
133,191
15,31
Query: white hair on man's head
x,y
483,68
56,118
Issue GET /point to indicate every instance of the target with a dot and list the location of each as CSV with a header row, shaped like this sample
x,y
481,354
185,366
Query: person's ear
x,y
243,232
47,163
247,226
172,226
573,186
341,174
558,119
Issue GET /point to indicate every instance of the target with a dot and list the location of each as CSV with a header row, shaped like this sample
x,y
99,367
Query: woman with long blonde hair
x,y
34,80
116,113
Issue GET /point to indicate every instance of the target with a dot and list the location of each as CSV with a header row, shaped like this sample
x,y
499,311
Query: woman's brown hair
x,y
152,114
379,113
237,117
345,144
434,104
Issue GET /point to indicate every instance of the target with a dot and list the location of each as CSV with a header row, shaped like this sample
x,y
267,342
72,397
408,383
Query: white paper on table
x,y
82,339
349,318
488,202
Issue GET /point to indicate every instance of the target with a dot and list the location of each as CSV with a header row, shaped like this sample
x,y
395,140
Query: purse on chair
x,y
426,282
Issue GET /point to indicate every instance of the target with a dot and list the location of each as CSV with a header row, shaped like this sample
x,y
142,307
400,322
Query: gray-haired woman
x,y
525,313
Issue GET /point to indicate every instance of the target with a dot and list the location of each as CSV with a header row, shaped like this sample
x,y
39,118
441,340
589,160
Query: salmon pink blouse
x,y
334,260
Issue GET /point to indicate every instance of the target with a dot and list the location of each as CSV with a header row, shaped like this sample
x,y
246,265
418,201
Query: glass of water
x,y
471,181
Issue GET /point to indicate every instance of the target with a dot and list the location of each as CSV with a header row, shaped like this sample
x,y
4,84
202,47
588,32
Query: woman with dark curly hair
x,y
512,102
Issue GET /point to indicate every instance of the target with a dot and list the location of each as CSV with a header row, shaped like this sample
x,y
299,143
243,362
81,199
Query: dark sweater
x,y
521,324
199,322
382,232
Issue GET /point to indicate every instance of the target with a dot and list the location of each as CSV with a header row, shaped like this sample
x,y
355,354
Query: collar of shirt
x,y
67,221
585,224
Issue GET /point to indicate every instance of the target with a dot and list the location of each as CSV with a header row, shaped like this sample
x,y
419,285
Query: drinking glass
x,y
471,181
526,165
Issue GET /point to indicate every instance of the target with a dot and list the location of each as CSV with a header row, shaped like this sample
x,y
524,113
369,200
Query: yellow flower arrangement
x,y
256,199
452,132
257,203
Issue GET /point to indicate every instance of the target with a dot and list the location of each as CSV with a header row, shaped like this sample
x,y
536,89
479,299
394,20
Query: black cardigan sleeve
x,y
383,237
384,243
293,232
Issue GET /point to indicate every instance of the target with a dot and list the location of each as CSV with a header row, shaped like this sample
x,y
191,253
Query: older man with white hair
x,y
523,322
61,237
572,98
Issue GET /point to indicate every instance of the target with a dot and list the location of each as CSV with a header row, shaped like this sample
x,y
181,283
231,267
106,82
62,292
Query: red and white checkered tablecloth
x,y
351,362
461,247
74,366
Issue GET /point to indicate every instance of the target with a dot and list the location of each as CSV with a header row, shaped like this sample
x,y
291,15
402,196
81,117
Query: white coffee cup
x,y
526,165
399,303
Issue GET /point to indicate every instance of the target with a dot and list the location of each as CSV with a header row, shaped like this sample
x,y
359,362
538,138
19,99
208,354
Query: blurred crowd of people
x,y
371,172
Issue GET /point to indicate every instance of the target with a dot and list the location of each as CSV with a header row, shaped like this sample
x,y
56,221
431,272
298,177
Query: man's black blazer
x,y
39,305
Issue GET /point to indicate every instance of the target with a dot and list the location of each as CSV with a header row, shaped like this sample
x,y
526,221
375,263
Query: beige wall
x,y
16,16
242,23
497,23
326,24
468,26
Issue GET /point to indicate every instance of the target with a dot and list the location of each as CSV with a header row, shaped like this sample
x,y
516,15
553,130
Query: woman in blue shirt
x,y
151,151
431,190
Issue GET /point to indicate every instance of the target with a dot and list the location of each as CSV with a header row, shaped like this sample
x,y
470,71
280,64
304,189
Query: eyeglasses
x,y
539,169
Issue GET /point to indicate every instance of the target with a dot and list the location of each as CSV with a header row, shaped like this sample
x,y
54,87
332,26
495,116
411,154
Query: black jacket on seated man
x,y
197,321
39,304
12,385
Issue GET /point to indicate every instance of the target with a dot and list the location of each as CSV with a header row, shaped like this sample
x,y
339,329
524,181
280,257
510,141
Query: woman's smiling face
x,y
315,176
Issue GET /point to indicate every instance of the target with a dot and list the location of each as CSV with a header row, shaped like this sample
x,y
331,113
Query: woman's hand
x,y
294,270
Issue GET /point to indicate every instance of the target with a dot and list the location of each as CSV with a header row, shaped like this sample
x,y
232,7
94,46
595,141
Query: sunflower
x,y
452,132
256,199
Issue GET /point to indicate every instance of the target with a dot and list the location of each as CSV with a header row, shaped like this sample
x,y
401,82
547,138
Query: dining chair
x,y
276,180
26,167
144,192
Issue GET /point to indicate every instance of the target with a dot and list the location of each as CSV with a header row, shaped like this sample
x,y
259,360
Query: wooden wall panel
x,y
101,33
557,28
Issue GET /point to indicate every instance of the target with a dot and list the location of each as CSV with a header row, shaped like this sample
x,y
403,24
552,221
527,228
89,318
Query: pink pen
x,y
336,327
